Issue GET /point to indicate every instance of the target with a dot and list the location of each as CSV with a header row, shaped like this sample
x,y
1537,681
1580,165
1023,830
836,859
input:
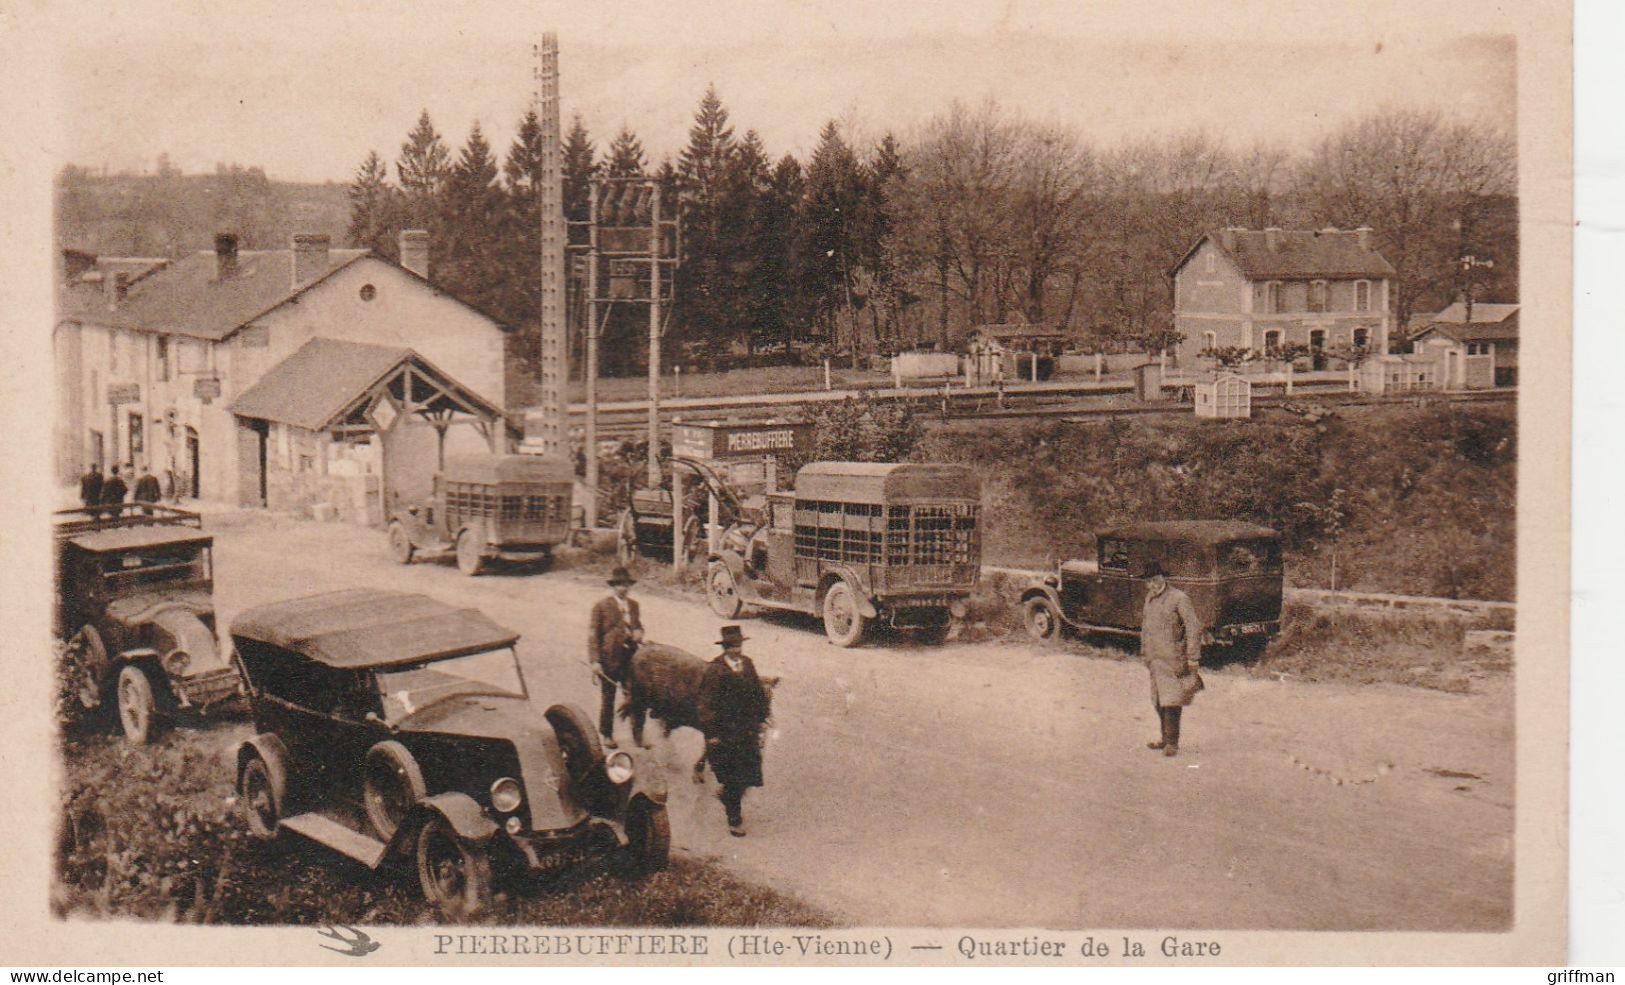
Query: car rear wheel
x,y
721,591
400,545
470,559
87,656
578,740
648,837
844,624
262,806
137,710
392,785
455,874
1043,622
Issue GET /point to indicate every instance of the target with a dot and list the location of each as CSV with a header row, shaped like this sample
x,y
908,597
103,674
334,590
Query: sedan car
x,y
392,725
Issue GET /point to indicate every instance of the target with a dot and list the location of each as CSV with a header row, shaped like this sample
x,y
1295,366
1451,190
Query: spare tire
x,y
392,784
578,740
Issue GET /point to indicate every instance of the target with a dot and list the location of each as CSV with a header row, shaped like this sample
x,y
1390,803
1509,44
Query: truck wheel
x,y
454,873
400,545
843,623
648,838
1043,622
392,784
469,559
721,591
137,711
262,802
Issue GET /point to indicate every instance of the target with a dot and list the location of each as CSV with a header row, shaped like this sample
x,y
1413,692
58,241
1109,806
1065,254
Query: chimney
x,y
309,256
121,287
1272,238
225,256
415,251
1364,234
1227,238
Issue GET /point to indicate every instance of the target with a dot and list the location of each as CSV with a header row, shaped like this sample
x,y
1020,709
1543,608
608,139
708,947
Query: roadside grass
x,y
153,833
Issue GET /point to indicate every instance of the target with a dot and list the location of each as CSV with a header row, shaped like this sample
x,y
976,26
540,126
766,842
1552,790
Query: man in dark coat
x,y
1171,646
113,490
614,631
90,486
147,490
733,707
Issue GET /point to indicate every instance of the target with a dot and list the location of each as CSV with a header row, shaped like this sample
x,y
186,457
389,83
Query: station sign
x,y
721,441
124,393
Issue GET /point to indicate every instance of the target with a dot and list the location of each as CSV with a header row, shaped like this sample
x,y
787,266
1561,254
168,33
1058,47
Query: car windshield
x,y
1250,556
412,689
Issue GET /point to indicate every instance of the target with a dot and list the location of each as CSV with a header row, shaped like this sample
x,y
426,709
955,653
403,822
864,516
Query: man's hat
x,y
732,636
620,576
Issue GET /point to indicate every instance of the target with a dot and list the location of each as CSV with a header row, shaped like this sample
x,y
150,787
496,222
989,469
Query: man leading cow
x,y
613,634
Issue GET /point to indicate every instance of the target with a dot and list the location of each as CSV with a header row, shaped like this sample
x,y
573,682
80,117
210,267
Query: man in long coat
x,y
147,489
733,707
90,486
614,631
1171,646
113,490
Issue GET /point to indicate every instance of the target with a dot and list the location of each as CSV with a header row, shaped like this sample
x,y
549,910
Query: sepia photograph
x,y
795,483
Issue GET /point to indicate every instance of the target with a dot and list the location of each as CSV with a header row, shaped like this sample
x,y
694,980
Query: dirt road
x,y
1002,784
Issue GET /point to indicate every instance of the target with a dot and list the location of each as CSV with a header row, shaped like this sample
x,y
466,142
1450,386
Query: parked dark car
x,y
392,725
483,508
135,614
856,543
1230,570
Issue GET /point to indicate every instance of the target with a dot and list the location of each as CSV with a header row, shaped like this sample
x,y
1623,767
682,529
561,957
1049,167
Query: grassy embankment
x,y
152,833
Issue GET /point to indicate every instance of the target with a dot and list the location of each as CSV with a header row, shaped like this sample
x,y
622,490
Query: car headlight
x,y
177,662
619,767
506,795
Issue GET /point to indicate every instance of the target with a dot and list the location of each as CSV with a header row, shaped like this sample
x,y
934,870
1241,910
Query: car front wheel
x,y
648,837
137,711
400,545
470,559
1043,622
844,624
455,873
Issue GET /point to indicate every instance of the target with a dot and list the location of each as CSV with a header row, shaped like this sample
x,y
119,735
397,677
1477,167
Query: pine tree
x,y
374,209
422,168
579,169
474,264
705,293
784,300
626,157
831,213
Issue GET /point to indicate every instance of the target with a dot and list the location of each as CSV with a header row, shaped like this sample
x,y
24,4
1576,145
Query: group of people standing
x,y
732,704
96,489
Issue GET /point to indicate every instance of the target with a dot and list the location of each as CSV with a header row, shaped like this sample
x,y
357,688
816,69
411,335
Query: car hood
x,y
515,720
140,607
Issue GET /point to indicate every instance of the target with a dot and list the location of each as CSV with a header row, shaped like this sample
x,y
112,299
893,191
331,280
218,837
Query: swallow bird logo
x,y
357,943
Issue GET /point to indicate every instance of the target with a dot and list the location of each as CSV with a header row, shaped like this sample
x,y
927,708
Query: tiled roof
x,y
1483,313
314,385
1298,254
189,298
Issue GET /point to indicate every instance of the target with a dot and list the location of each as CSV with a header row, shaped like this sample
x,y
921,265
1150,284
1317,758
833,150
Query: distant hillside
x,y
169,213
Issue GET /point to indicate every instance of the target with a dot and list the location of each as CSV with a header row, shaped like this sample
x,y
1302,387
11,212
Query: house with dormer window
x,y
1264,289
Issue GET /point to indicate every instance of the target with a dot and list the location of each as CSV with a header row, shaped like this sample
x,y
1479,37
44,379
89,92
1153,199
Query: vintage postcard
x,y
966,484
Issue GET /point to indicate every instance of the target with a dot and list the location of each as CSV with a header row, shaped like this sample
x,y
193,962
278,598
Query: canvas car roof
x,y
367,627
132,538
1189,531
886,482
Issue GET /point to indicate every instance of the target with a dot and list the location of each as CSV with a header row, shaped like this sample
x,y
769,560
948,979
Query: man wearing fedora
x,y
733,707
614,632
1171,646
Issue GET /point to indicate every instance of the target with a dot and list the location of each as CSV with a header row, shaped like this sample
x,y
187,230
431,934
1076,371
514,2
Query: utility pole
x,y
590,435
654,341
553,355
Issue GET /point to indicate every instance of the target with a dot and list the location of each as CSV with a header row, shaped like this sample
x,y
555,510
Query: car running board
x,y
367,850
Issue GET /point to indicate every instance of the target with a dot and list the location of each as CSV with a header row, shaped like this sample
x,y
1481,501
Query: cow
x,y
663,682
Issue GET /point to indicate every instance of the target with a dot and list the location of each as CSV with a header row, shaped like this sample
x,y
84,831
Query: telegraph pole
x,y
654,339
590,437
554,355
